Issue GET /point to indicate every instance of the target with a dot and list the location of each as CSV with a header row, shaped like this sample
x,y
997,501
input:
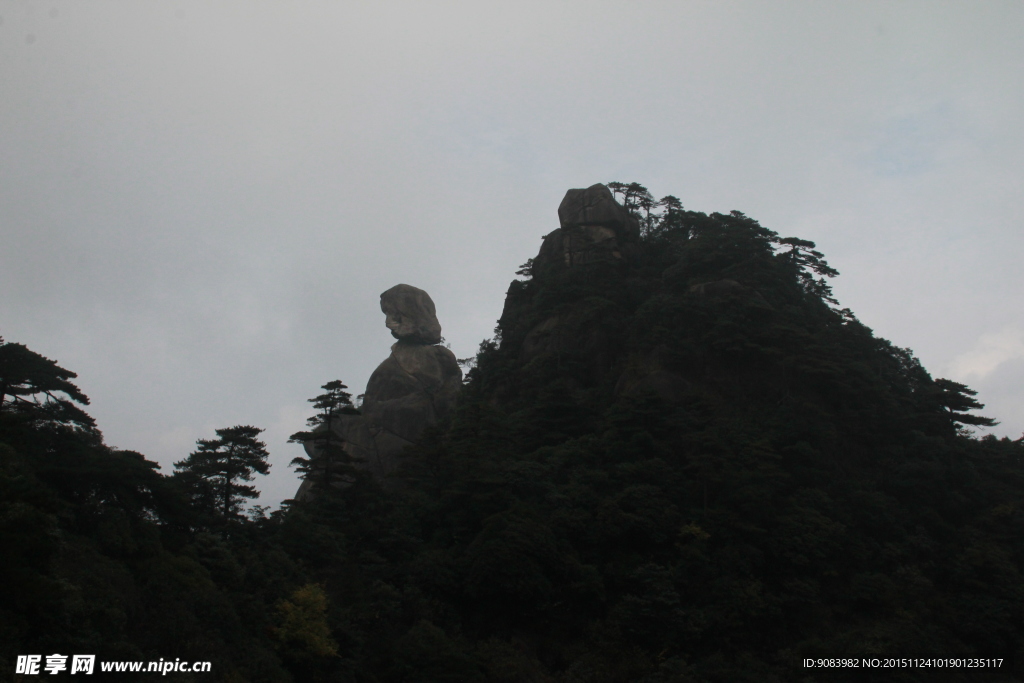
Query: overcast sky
x,y
200,202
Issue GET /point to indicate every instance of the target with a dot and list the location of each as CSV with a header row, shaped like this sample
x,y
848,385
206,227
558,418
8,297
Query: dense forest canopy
x,y
678,459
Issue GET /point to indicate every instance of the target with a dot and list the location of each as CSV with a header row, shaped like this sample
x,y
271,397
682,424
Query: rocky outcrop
x,y
594,228
584,331
414,387
595,206
410,315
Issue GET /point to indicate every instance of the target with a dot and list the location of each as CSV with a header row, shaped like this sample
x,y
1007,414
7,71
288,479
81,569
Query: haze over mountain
x,y
200,203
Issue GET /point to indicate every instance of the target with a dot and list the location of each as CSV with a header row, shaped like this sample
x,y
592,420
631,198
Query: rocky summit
x,y
593,227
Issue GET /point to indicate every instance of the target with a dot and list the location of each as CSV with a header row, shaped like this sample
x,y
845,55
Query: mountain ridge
x,y
678,459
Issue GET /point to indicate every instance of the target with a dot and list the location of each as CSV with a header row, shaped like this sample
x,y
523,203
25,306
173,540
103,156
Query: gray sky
x,y
200,202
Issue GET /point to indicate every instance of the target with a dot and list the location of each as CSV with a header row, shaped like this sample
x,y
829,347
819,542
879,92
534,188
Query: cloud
x,y
990,352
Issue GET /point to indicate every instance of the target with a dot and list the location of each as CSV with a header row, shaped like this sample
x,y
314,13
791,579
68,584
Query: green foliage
x,y
637,199
304,631
331,464
655,476
426,653
957,399
213,471
807,262
686,465
99,556
33,384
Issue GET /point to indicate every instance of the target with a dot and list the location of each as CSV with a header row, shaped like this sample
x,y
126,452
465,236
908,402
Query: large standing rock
x,y
410,315
594,228
414,387
595,206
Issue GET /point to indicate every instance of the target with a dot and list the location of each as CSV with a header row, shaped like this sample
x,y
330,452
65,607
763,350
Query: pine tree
x,y
35,385
955,399
617,188
332,463
809,262
213,472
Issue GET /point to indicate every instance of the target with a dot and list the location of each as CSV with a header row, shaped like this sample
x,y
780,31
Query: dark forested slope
x,y
100,554
677,460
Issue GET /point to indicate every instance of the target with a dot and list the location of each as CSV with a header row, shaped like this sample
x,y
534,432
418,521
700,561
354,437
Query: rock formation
x,y
587,337
594,227
414,387
411,316
596,235
594,206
